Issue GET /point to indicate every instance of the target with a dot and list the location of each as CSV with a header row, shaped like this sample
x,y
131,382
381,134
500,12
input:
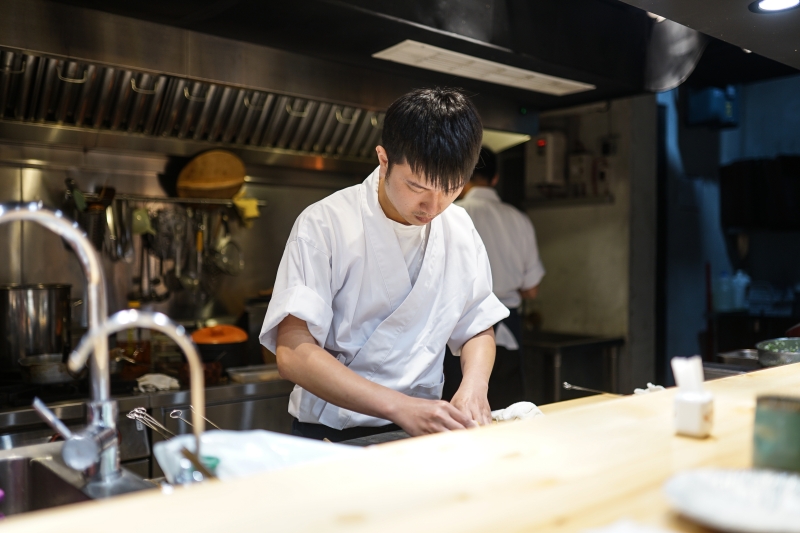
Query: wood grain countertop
x,y
566,471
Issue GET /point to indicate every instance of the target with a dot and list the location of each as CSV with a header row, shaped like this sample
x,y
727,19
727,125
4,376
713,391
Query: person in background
x,y
517,270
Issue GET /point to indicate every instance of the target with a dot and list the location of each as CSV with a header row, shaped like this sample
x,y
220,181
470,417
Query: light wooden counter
x,y
571,469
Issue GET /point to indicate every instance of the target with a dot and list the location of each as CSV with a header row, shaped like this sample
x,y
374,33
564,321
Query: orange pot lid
x,y
223,334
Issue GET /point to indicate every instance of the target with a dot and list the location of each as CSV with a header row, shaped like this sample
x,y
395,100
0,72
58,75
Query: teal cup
x,y
776,435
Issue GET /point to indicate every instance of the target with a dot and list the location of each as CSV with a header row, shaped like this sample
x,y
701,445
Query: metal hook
x,y
7,70
193,98
341,120
253,107
72,80
298,114
139,90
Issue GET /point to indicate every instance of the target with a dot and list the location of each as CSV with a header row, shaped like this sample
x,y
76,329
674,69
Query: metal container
x,y
254,373
743,358
776,352
223,344
34,320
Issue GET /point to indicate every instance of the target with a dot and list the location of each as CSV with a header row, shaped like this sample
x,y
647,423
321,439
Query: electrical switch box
x,y
545,160
581,174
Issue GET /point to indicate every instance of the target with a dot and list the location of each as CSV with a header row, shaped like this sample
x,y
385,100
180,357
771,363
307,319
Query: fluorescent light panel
x,y
431,57
497,141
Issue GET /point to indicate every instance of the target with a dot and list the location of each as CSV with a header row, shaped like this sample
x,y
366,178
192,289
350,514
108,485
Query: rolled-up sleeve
x,y
302,289
483,310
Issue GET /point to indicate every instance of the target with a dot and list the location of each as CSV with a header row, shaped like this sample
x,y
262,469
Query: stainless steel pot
x,y
776,352
34,320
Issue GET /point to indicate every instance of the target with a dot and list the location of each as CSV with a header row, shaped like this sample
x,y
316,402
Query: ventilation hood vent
x,y
36,89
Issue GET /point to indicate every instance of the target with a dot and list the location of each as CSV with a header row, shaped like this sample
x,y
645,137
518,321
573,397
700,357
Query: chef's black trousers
x,y
506,381
321,431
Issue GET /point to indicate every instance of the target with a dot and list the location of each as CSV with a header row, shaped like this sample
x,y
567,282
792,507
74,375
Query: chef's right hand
x,y
421,417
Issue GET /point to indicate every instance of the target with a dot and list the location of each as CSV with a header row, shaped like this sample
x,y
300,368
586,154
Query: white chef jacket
x,y
510,242
344,274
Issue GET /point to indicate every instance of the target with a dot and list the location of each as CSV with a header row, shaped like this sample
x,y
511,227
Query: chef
x,y
517,270
377,278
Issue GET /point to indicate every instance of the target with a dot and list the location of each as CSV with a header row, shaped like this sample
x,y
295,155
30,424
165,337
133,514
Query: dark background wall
x,y
769,126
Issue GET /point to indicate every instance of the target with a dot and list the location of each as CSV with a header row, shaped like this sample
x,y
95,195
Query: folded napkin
x,y
516,411
154,382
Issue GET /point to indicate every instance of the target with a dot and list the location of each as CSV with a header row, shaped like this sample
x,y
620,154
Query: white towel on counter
x,y
154,382
650,388
517,411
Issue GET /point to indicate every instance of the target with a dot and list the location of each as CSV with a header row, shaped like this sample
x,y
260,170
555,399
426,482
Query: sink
x,y
34,478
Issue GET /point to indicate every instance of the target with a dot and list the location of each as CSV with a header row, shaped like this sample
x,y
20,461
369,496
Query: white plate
x,y
738,501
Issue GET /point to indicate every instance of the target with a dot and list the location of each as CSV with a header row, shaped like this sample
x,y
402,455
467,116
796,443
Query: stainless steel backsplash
x,y
33,254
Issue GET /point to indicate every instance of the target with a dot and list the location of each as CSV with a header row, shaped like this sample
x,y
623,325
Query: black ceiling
x,y
595,41
773,35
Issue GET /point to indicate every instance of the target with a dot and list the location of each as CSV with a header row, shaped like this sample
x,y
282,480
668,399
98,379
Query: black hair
x,y
487,165
437,132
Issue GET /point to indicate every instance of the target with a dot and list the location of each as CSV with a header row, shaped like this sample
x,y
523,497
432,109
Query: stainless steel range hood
x,y
78,77
147,109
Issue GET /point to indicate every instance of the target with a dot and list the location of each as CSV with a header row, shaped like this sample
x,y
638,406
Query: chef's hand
x,y
421,417
471,400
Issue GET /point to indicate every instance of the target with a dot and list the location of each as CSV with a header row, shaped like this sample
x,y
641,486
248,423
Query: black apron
x,y
505,382
321,431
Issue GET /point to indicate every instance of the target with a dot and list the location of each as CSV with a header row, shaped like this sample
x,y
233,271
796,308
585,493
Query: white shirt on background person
x,y
510,242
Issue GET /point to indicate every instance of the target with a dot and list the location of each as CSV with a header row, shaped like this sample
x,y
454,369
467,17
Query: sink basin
x,y
35,478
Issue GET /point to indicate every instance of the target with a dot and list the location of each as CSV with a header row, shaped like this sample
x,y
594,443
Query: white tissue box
x,y
694,413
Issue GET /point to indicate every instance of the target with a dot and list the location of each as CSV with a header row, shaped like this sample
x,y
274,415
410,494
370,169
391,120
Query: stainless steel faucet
x,y
95,449
131,318
102,410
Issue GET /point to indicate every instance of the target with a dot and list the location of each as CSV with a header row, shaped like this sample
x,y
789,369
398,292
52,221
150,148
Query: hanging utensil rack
x,y
170,200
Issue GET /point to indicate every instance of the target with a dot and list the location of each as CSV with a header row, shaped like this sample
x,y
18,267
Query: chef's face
x,y
411,199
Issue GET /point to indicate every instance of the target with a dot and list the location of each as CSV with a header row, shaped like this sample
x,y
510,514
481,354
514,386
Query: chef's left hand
x,y
471,400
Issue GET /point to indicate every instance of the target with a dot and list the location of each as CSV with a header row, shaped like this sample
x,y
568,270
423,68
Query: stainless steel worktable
x,y
233,406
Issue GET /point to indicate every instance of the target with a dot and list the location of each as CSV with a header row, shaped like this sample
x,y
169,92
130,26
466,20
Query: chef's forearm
x,y
302,361
477,359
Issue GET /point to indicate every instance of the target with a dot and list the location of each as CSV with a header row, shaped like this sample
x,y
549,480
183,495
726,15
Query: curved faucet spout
x,y
131,318
92,269
102,409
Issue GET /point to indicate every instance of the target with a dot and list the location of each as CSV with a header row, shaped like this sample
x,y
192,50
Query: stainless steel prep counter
x,y
235,406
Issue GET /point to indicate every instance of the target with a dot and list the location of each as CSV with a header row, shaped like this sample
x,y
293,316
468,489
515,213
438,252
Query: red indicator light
x,y
541,143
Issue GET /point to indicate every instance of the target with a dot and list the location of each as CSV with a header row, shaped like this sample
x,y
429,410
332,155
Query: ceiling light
x,y
772,6
430,57
658,18
497,141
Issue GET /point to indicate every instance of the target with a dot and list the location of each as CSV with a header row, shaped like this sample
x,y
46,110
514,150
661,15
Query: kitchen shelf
x,y
171,200
569,202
